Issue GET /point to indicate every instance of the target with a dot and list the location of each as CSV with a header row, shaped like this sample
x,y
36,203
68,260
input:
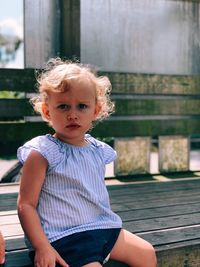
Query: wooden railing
x,y
146,105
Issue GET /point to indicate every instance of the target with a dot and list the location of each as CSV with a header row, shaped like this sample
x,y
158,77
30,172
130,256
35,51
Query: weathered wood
x,y
22,80
153,83
165,214
25,131
146,105
151,106
109,128
9,188
43,28
126,83
18,259
15,109
70,29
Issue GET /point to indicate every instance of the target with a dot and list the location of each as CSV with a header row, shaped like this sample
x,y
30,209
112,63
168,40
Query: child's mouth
x,y
73,126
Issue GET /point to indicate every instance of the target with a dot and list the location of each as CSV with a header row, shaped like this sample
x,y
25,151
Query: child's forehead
x,y
78,90
81,84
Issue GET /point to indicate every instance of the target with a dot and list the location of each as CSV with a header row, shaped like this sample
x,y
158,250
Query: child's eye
x,y
82,106
64,107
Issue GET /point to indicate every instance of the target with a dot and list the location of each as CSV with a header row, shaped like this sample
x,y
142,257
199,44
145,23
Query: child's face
x,y
71,113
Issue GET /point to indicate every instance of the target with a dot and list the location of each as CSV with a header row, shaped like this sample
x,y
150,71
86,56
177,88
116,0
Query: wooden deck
x,y
165,213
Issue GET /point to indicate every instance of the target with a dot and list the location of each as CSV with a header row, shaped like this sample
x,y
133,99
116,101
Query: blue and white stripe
x,y
74,197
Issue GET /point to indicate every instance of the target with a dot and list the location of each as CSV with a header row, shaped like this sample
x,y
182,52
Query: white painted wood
x,y
9,188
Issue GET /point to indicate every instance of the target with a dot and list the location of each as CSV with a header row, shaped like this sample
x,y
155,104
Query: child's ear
x,y
97,109
45,111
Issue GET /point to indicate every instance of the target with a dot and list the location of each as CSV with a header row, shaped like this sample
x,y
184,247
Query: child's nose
x,y
72,114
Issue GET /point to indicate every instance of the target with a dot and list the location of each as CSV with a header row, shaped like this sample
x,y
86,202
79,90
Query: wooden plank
x,y
167,223
166,214
154,127
7,219
18,259
160,212
126,83
153,187
9,188
156,196
12,230
151,203
19,108
8,212
174,235
156,106
153,83
179,191
104,129
44,28
189,184
14,109
8,201
13,244
22,80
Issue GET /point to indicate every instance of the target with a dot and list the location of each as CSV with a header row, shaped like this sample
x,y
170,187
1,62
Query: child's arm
x,y
33,176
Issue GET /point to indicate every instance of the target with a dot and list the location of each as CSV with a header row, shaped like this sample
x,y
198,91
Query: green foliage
x,y
11,94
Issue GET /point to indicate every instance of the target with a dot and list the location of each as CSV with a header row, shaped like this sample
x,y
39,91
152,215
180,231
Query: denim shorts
x,y
85,247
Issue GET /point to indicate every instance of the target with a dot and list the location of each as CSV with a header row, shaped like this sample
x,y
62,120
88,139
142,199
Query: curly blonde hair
x,y
59,74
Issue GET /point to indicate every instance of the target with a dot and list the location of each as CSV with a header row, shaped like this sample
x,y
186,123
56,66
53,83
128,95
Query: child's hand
x,y
47,257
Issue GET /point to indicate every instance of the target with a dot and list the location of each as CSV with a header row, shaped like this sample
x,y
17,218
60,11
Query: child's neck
x,y
74,142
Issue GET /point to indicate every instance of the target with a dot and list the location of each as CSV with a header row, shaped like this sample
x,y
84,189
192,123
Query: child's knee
x,y
151,256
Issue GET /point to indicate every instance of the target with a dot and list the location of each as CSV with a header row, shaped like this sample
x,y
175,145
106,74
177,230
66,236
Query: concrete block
x,y
173,153
133,155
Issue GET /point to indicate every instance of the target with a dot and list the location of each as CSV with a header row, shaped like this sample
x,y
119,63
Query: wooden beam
x,y
70,29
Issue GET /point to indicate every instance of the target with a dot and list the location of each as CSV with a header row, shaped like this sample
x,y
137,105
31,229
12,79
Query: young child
x,y
2,250
63,202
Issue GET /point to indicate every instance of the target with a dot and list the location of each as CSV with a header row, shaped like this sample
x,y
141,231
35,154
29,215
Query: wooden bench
x,y
165,213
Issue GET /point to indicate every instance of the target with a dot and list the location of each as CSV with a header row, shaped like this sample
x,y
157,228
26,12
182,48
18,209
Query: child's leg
x,y
133,250
93,264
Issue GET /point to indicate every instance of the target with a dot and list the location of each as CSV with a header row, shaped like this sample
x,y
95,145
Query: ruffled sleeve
x,y
42,144
108,153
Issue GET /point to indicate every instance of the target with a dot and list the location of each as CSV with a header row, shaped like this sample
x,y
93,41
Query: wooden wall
x,y
51,28
146,105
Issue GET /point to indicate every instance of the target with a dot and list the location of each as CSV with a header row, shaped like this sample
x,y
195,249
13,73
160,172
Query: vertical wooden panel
x,y
70,28
157,36
41,24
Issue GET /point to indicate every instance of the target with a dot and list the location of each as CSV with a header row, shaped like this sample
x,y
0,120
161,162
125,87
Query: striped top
x,y
74,197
